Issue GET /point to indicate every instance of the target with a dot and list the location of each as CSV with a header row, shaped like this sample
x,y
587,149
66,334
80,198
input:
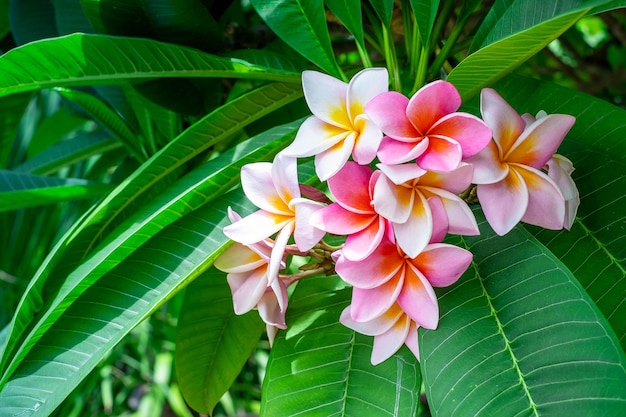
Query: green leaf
x,y
318,367
349,13
519,336
105,116
118,17
212,343
69,152
20,190
32,20
70,18
12,108
594,250
204,184
384,10
311,39
491,63
81,59
148,181
508,17
425,12
107,311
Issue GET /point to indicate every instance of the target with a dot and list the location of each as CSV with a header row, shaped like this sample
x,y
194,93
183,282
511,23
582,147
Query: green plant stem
x,y
365,58
442,18
392,61
408,21
447,48
422,67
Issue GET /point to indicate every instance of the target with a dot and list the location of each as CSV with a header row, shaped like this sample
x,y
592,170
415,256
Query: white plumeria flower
x,y
274,189
339,127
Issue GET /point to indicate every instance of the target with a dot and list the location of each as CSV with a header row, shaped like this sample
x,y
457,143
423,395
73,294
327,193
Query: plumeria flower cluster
x,y
396,168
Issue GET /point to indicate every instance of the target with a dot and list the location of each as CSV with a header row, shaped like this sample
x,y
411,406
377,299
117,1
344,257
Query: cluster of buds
x,y
396,169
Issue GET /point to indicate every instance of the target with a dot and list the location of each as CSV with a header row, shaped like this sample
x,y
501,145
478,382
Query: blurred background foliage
x,y
137,378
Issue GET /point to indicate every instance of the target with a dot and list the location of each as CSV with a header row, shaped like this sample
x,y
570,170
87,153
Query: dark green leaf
x,y
311,39
81,59
19,190
384,10
12,108
32,20
349,13
425,12
519,336
318,367
212,343
70,18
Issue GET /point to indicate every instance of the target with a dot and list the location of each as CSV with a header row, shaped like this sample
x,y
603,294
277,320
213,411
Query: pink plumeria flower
x,y
388,276
352,213
273,187
427,128
391,330
560,171
247,268
402,194
338,127
510,184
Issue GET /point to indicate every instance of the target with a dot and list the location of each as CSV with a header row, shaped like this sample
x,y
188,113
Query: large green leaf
x,y
94,323
311,39
81,59
384,10
491,63
69,152
349,13
204,184
518,335
212,343
12,108
145,183
20,190
594,250
32,20
507,17
425,12
318,367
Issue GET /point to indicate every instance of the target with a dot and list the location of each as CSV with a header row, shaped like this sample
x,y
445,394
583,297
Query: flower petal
x,y
418,299
393,202
455,181
413,235
367,142
361,244
388,343
270,310
350,187
399,174
372,271
560,170
468,130
326,97
314,136
442,264
363,87
432,102
238,258
330,161
306,235
368,304
546,205
488,167
392,151
411,340
339,221
504,202
276,260
540,140
440,219
285,178
461,220
388,112
258,185
247,289
256,227
503,120
374,327
442,154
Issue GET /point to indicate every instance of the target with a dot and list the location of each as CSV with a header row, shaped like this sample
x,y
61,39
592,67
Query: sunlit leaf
x,y
318,367
519,336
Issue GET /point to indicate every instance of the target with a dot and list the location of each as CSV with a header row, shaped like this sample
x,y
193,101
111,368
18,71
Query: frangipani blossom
x,y
388,276
402,193
247,269
338,127
427,128
560,171
510,184
391,330
273,187
352,214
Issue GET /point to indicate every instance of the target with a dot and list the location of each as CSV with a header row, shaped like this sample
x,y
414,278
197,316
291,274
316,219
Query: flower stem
x,y
392,60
